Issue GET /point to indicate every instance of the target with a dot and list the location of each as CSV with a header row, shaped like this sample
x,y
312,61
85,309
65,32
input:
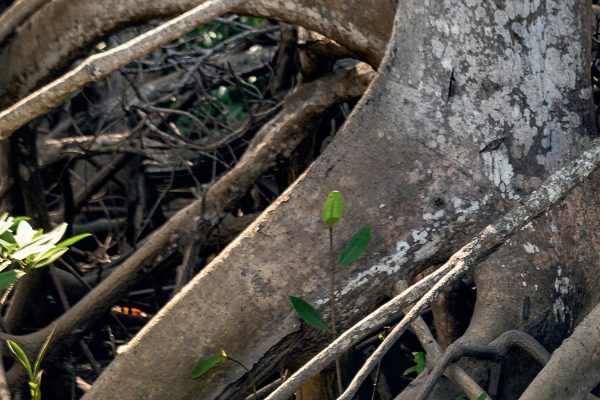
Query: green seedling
x,y
420,360
34,374
309,314
333,212
212,361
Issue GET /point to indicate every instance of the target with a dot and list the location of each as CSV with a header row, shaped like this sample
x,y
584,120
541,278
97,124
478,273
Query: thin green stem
x,y
252,380
333,270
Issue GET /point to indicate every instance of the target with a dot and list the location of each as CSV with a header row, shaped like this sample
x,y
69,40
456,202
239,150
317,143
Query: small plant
x,y
212,361
420,359
333,212
34,375
26,248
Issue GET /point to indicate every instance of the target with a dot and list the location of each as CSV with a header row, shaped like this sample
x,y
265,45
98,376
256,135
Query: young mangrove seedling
x,y
333,211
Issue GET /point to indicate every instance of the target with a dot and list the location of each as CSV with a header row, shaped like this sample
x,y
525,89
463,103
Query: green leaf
x,y
54,236
41,354
40,244
7,278
420,361
482,396
333,208
460,398
7,239
309,314
34,247
72,240
20,218
49,257
355,247
20,355
206,364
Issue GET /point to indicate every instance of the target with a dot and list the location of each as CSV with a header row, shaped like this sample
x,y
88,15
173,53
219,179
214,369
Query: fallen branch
x,y
100,65
426,290
56,150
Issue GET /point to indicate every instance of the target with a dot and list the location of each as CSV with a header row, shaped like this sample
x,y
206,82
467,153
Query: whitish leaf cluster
x,y
25,248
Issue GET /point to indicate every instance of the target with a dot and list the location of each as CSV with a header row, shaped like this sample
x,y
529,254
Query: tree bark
x,y
493,96
474,105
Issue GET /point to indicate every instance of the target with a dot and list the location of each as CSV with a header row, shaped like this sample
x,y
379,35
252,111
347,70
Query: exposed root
x,y
487,241
276,139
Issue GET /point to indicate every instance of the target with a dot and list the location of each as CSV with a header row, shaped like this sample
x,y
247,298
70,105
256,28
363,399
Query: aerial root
x,y
496,350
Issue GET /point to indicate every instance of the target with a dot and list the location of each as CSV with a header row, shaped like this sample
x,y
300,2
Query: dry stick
x,y
434,351
260,393
100,179
549,193
56,150
185,270
100,65
276,138
17,13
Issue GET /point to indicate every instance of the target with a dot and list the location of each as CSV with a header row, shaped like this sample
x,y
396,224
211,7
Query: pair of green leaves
x,y
333,212
34,374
